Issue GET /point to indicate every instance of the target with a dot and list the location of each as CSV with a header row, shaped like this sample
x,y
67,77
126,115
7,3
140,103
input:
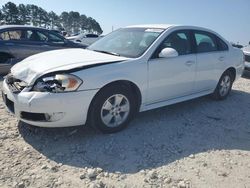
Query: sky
x,y
230,18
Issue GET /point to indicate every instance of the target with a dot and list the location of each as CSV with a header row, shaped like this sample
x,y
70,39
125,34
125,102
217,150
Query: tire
x,y
224,86
5,58
112,109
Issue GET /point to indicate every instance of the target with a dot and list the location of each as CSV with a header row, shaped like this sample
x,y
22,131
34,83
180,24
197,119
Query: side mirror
x,y
168,53
249,43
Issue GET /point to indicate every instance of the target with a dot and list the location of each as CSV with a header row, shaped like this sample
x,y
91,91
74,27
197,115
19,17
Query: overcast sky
x,y
230,18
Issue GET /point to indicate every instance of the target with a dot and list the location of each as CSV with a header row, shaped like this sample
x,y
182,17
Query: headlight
x,y
58,83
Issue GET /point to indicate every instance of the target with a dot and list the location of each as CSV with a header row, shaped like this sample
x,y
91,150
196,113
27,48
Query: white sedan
x,y
131,70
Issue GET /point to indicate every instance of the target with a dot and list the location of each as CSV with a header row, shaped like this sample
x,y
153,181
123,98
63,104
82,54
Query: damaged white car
x,y
133,69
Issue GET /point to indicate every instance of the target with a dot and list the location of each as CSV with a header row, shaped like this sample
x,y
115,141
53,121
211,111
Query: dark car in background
x,y
18,42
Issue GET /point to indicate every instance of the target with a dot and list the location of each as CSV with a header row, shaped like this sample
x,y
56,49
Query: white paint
x,y
161,81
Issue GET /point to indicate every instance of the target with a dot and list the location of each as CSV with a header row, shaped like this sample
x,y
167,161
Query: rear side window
x,y
5,36
15,35
12,35
222,46
205,42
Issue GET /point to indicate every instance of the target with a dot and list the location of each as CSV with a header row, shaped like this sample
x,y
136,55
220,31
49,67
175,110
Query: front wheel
x,y
112,109
224,86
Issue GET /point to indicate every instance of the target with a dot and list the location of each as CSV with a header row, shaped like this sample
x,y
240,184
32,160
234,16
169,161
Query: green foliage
x,y
10,13
72,22
23,14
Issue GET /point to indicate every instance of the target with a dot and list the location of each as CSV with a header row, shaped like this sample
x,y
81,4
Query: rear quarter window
x,y
222,46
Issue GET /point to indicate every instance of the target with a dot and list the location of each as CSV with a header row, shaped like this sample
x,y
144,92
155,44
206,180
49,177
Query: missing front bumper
x,y
42,117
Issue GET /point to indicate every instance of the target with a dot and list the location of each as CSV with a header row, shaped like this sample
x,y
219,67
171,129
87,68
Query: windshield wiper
x,y
106,52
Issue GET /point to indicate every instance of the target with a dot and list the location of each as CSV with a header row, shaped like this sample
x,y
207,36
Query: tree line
x,y
72,22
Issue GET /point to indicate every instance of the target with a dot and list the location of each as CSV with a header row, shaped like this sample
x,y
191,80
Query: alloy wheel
x,y
115,110
225,85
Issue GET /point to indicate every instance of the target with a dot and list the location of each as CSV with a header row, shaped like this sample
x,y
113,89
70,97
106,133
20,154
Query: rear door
x,y
13,41
4,40
5,54
210,60
21,44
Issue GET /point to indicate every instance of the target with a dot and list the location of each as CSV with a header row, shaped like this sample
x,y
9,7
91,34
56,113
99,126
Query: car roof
x,y
170,26
167,26
152,26
19,26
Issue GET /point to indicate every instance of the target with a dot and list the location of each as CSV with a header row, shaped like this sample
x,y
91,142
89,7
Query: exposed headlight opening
x,y
58,83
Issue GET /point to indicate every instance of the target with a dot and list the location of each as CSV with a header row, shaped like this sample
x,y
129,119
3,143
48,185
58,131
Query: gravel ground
x,y
199,143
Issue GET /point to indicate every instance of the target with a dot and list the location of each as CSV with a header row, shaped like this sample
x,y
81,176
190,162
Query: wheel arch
x,y
121,83
232,70
5,55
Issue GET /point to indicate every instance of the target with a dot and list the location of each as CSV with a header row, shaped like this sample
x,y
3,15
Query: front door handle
x,y
221,58
189,63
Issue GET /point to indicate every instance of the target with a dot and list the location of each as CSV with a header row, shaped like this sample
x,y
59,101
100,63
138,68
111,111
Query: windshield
x,y
127,42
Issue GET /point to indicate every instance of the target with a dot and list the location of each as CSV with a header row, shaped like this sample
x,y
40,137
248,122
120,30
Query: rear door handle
x,y
221,58
189,63
10,44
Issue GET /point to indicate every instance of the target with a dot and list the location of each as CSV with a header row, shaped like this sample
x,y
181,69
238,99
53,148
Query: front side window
x,y
36,36
127,42
55,39
205,42
180,41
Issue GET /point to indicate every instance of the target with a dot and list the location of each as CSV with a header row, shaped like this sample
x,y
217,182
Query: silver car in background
x,y
85,39
246,51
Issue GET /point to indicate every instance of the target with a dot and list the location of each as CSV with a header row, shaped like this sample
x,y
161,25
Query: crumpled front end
x,y
46,109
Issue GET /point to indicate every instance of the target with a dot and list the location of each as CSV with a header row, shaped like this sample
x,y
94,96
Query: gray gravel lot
x,y
198,143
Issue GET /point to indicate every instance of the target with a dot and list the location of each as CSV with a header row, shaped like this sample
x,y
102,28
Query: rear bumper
x,y
49,109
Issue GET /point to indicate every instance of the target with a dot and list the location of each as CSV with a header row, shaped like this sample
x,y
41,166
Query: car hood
x,y
35,66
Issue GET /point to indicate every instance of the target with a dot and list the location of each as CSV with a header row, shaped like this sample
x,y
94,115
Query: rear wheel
x,y
224,86
112,109
5,58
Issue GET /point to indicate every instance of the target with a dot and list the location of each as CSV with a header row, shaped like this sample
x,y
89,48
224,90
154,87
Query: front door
x,y
170,78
